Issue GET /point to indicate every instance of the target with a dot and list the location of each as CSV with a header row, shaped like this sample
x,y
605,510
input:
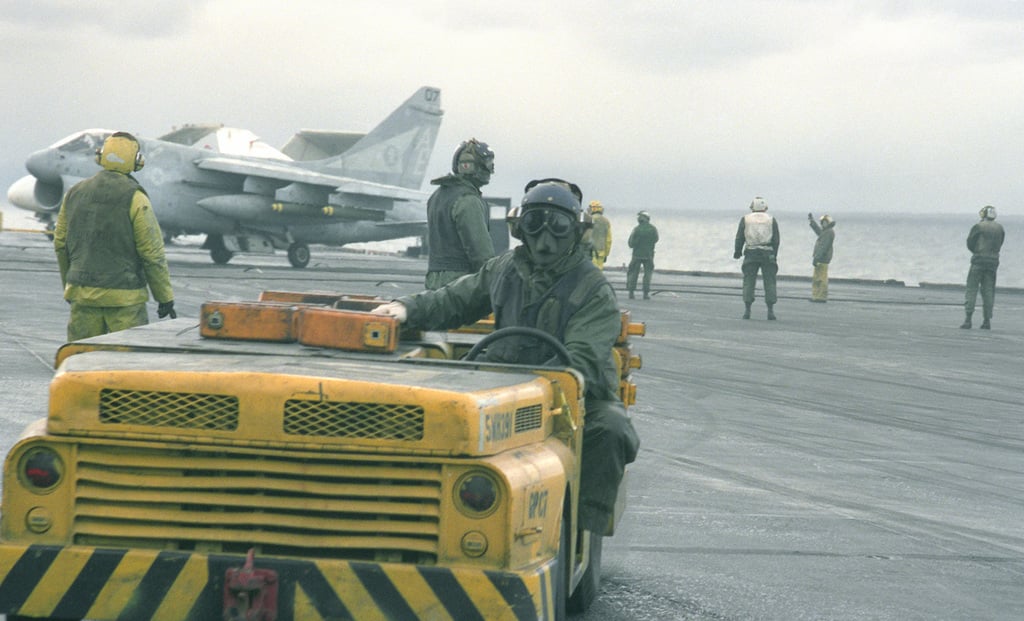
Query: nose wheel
x,y
298,255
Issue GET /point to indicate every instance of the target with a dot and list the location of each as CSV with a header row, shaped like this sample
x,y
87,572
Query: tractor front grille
x,y
339,419
529,418
169,409
230,501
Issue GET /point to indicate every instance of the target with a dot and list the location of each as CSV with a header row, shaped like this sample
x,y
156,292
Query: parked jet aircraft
x,y
253,198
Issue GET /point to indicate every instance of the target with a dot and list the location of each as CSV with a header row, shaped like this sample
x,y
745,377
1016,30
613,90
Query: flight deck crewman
x,y
757,241
642,240
822,256
109,246
600,234
549,283
984,241
458,231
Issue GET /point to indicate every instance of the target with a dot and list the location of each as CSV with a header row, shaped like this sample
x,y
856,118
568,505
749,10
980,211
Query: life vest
x,y
101,238
757,230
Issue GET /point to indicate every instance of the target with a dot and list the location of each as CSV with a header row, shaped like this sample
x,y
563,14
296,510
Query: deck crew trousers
x,y
819,283
87,321
609,443
755,259
983,277
633,273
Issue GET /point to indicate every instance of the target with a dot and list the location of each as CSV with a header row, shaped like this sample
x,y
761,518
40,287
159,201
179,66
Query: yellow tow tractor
x,y
298,457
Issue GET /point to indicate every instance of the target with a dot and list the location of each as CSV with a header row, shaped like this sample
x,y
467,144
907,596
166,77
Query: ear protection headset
x,y
473,157
988,212
121,152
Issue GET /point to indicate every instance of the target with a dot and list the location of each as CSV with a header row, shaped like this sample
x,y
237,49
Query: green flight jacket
x,y
642,240
589,333
984,241
458,235
109,244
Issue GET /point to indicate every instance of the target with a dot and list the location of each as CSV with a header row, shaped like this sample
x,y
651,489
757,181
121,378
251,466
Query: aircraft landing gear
x,y
218,251
298,254
221,255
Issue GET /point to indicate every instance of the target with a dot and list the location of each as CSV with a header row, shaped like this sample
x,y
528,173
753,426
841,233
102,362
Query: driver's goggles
x,y
556,221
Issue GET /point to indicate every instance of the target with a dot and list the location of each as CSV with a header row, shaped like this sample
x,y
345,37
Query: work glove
x,y
737,255
393,309
165,309
810,216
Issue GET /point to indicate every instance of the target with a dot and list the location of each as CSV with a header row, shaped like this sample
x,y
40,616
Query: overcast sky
x,y
861,105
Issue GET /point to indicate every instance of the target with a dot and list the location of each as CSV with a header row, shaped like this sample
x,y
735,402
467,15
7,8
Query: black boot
x,y
771,314
746,313
631,296
966,325
985,325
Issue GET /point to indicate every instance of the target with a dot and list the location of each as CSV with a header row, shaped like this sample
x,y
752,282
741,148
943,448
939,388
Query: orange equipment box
x,y
253,321
359,302
347,301
296,297
347,329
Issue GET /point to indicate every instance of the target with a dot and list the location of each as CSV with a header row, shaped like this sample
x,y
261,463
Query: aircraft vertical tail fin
x,y
397,151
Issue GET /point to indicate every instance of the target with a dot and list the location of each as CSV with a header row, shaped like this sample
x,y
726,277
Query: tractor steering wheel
x,y
561,352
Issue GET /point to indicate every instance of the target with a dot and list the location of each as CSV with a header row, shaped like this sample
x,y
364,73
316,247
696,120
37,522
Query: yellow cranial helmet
x,y
121,153
596,207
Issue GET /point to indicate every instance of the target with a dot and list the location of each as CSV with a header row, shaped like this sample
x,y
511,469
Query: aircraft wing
x,y
338,190
292,174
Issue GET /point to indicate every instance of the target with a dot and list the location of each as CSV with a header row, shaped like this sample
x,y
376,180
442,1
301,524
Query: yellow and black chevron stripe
x,y
98,583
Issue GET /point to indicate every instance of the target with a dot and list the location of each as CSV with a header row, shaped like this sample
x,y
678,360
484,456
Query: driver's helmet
x,y
563,196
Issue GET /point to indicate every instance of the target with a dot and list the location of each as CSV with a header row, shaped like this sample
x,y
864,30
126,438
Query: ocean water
x,y
912,248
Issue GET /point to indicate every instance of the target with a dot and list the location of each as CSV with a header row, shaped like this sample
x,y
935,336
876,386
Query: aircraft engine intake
x,y
34,195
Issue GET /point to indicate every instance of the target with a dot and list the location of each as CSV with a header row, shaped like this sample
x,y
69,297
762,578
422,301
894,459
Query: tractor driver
x,y
549,283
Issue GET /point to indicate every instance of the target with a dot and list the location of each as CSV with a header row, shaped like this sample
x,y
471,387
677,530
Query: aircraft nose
x,y
39,164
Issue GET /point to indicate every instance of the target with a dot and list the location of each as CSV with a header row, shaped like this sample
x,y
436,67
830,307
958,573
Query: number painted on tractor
x,y
538,504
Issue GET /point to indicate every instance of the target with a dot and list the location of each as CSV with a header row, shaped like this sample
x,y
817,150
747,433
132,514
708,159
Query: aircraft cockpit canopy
x,y
87,141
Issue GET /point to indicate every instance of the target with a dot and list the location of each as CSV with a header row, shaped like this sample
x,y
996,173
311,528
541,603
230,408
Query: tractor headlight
x,y
40,469
476,494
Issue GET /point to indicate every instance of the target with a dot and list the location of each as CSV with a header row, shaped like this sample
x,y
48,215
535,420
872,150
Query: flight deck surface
x,y
860,459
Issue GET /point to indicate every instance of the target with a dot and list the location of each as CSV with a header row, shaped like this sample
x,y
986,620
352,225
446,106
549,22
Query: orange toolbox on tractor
x,y
347,329
321,298
287,317
250,321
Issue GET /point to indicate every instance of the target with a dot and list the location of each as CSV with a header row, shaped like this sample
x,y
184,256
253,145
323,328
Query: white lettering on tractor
x,y
498,427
